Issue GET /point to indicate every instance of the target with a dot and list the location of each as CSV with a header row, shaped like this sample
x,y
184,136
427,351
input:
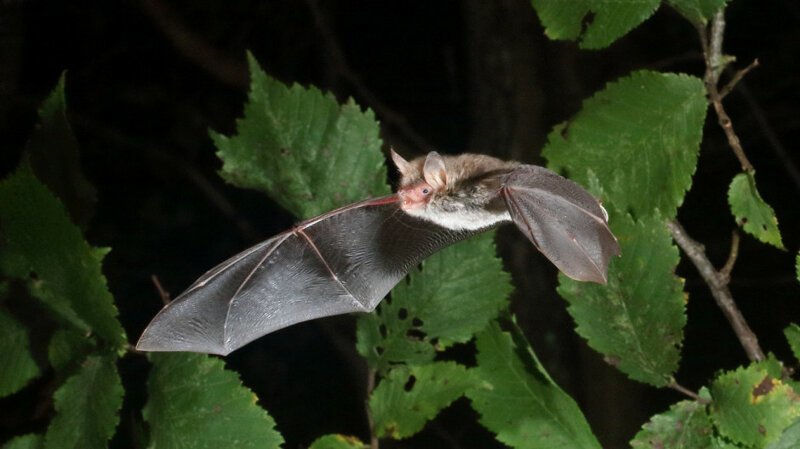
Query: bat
x,y
348,259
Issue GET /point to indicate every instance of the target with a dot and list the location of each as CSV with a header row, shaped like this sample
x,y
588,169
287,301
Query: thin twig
x,y
719,289
373,437
230,71
389,115
163,294
711,41
736,78
725,271
681,389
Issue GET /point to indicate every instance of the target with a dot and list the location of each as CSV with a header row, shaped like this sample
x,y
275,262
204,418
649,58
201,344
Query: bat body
x,y
348,259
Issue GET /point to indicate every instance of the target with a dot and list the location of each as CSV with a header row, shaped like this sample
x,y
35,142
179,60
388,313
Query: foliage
x,y
752,213
194,402
634,144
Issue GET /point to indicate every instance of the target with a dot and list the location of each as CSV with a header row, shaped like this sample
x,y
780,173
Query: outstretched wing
x,y
565,222
344,261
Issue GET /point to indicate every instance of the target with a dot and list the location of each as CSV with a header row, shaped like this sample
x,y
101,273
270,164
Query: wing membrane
x,y
564,221
344,261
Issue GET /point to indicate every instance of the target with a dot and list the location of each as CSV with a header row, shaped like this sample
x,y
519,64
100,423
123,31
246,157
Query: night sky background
x,y
147,79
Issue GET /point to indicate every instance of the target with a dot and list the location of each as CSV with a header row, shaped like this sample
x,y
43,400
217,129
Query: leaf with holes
x,y
410,396
751,407
637,320
640,136
752,212
195,402
597,23
685,425
519,402
87,407
302,148
18,366
456,293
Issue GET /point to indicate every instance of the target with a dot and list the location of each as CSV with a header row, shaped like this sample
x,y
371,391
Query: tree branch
x,y
711,40
373,437
719,289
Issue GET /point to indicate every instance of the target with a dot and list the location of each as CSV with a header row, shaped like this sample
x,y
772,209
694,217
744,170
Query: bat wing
x,y
565,222
344,261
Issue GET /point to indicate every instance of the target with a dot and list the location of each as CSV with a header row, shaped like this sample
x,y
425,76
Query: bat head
x,y
455,192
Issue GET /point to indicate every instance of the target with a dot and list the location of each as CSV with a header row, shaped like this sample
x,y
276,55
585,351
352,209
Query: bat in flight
x,y
348,259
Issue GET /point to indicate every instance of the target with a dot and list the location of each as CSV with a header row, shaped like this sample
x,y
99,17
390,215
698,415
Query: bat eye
x,y
426,191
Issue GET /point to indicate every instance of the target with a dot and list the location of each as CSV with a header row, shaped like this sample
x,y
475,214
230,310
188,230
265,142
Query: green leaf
x,y
685,426
792,333
752,212
697,11
54,155
86,407
195,402
30,441
302,148
410,396
636,320
751,407
790,438
519,402
457,292
598,23
68,271
67,347
797,266
337,442
640,136
18,366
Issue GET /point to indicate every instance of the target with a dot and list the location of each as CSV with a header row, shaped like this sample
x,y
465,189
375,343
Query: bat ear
x,y
403,166
434,171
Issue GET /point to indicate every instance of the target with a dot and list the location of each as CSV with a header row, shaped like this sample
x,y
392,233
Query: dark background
x,y
147,79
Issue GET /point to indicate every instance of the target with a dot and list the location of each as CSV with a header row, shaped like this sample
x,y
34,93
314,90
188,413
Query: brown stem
x,y
681,389
711,40
736,78
719,289
373,437
725,271
163,294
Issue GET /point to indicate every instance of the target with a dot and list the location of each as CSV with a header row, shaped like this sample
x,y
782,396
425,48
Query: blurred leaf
x,y
457,292
194,402
29,441
697,11
68,271
751,407
410,396
637,320
792,333
66,347
87,407
797,266
790,438
519,402
54,155
337,442
752,212
685,426
598,23
302,148
18,366
640,136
